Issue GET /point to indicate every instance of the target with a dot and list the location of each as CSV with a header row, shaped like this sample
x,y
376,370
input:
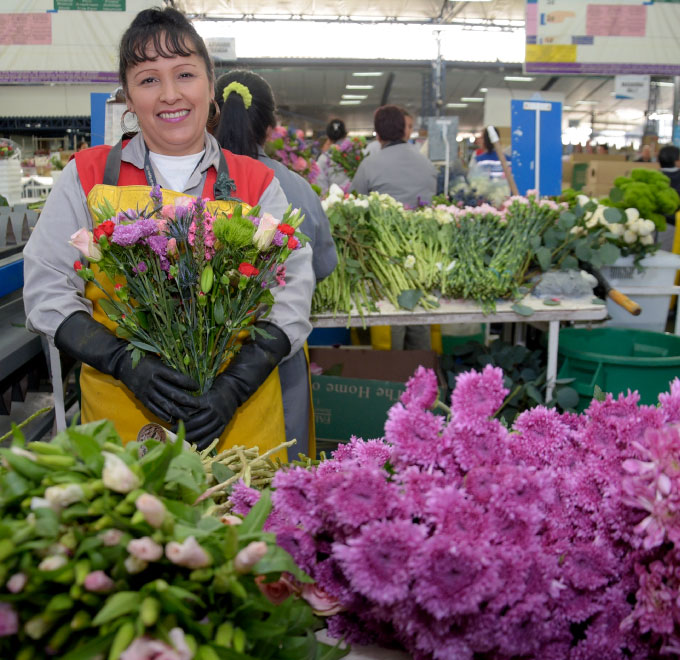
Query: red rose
x,y
77,266
248,269
293,242
286,229
104,229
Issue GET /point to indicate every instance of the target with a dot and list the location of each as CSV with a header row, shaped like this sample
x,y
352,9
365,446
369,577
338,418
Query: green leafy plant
x,y
103,551
524,374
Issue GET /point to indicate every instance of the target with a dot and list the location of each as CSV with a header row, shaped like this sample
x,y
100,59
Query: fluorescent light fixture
x,y
587,102
483,90
354,96
456,105
350,102
367,74
663,84
567,107
472,99
360,86
518,78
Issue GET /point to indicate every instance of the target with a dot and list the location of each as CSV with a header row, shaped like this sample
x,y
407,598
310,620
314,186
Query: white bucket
x,y
659,270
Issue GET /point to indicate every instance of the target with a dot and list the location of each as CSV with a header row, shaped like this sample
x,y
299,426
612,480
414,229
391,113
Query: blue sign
x,y
98,117
537,146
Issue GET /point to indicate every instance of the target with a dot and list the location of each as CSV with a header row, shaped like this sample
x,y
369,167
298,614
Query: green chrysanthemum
x,y
236,231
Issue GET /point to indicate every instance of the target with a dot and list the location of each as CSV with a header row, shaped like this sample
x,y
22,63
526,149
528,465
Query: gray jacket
x,y
53,291
400,171
315,225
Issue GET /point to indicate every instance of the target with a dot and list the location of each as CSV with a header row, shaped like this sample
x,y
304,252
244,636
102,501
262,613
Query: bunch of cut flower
x,y
456,537
9,149
289,146
624,229
374,242
348,154
104,554
186,284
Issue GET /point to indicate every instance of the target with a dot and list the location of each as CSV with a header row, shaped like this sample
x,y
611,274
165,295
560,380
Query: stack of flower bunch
x,y
104,554
348,154
290,147
374,241
460,538
182,283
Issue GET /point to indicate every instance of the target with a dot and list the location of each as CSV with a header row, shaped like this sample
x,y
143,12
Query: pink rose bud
x,y
146,648
117,476
84,241
275,592
171,247
134,565
145,549
111,537
189,554
321,603
152,509
249,556
99,582
17,583
229,519
9,620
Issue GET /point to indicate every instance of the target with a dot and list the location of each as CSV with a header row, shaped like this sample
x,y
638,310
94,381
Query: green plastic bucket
x,y
618,359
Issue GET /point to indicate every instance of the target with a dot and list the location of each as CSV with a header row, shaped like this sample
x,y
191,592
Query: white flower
x,y
134,565
336,191
646,227
592,222
39,503
582,199
616,228
265,231
52,563
629,236
647,240
577,231
117,475
363,203
410,261
63,496
632,214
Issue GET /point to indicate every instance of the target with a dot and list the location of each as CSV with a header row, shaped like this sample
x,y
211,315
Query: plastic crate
x,y
659,270
618,359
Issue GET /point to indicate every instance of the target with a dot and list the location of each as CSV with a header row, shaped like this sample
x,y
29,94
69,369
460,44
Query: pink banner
x,y
616,20
25,29
531,19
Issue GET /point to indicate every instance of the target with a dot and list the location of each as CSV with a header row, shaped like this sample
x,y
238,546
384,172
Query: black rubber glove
x,y
235,385
160,388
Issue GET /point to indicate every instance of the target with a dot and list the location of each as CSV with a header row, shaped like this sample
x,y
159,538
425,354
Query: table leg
x,y
551,374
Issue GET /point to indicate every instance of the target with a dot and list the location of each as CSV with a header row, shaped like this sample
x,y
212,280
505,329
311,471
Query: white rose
x,y
632,214
646,227
63,496
629,236
265,231
117,476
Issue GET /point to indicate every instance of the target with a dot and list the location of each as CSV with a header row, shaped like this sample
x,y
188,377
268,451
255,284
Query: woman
x,y
167,76
246,119
330,172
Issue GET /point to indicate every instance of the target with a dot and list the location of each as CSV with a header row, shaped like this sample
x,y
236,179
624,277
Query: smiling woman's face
x,y
171,98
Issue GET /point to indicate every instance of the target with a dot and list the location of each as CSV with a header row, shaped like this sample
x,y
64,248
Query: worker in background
x,y
645,154
669,162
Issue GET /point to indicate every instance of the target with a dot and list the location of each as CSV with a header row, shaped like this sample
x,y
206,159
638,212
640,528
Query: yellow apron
x,y
257,423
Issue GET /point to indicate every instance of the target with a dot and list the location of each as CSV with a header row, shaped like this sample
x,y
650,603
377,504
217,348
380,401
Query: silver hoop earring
x,y
129,129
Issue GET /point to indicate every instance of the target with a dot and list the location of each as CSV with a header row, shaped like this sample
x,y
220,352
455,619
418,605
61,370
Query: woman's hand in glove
x,y
239,381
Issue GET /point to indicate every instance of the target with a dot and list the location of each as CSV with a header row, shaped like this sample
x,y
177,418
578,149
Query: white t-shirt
x,y
176,170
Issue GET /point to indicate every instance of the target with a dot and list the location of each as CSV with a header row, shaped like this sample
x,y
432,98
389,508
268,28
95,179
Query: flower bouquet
x,y
347,154
107,555
456,537
9,149
186,283
289,146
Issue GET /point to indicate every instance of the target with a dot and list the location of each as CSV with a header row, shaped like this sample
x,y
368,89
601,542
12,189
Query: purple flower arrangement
x,y
457,537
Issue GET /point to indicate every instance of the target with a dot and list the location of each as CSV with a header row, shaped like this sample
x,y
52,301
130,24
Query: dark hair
x,y
242,130
168,31
389,123
488,145
668,155
336,130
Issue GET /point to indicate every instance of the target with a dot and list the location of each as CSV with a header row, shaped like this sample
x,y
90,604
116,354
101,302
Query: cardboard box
x,y
364,385
602,173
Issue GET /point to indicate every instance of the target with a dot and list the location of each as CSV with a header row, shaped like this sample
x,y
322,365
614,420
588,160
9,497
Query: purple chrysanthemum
x,y
477,396
421,389
131,234
376,561
243,498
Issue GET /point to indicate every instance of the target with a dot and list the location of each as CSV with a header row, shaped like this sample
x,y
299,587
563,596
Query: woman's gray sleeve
x,y
52,290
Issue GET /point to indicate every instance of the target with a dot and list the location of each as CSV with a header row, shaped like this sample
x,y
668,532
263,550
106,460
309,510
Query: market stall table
x,y
467,311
